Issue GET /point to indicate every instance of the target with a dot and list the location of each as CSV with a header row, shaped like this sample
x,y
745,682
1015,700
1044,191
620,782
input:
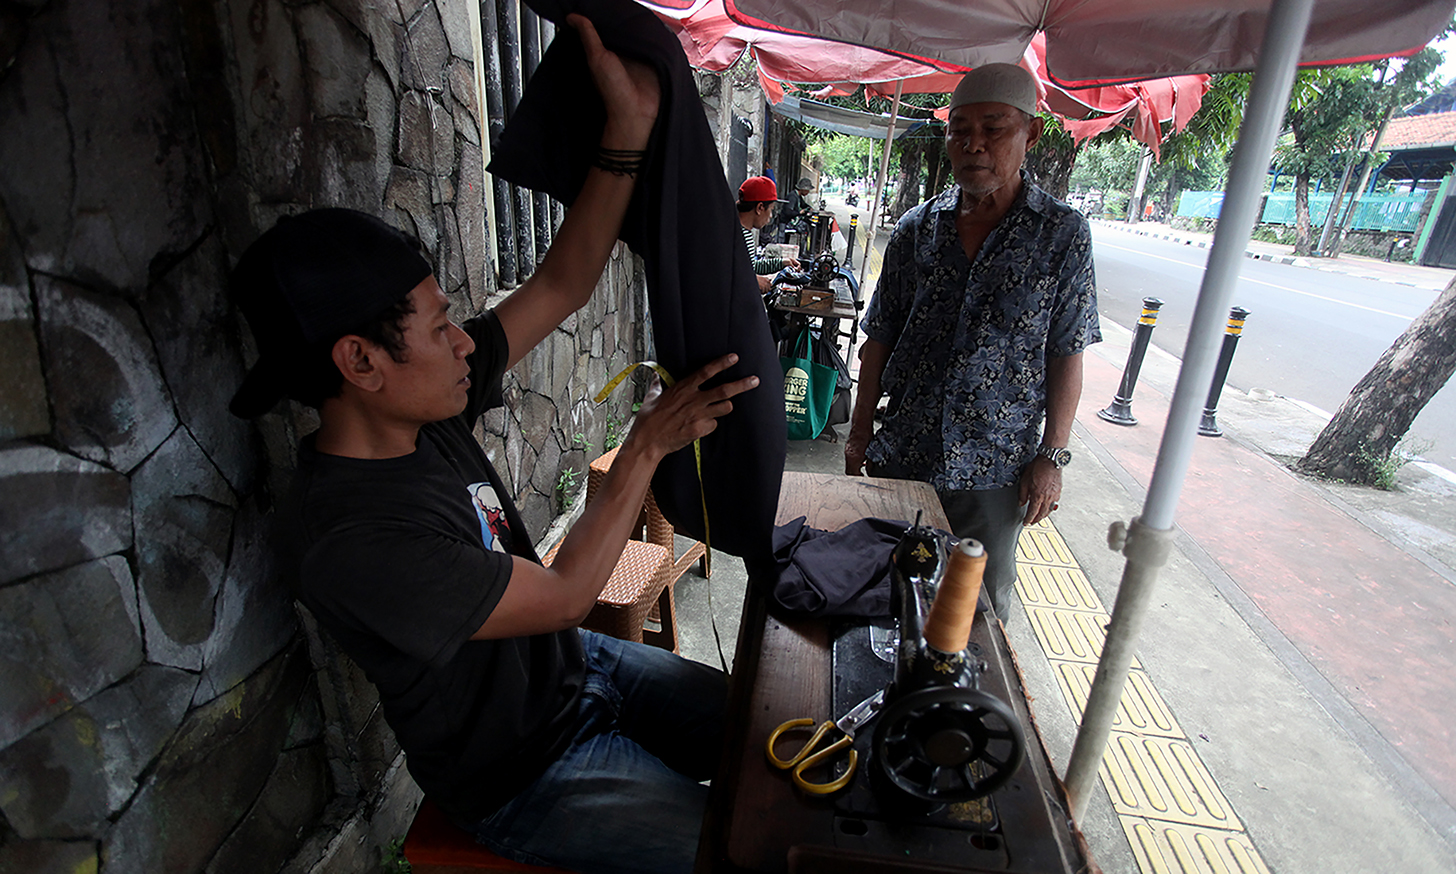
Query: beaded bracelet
x,y
620,162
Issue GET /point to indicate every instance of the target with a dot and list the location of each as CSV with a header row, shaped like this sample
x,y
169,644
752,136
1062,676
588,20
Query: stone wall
x,y
163,708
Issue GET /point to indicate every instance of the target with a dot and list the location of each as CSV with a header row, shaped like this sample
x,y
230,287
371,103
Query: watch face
x,y
1062,456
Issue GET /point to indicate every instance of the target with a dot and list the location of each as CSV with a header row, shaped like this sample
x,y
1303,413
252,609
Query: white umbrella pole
x,y
880,188
1150,537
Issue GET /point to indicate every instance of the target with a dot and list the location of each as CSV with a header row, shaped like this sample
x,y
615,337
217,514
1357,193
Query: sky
x,y
1447,70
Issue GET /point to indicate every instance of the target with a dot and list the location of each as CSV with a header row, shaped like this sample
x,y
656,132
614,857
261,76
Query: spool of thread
x,y
948,627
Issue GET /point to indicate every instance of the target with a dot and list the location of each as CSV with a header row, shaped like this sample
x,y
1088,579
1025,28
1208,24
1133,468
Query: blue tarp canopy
x,y
845,121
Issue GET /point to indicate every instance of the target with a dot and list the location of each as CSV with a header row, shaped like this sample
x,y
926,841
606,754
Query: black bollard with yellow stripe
x,y
1208,427
1119,412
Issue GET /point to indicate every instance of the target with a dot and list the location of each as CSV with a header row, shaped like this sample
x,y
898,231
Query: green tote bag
x,y
808,391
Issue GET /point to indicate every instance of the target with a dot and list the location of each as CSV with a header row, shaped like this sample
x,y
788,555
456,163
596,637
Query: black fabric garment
x,y
391,557
834,573
701,287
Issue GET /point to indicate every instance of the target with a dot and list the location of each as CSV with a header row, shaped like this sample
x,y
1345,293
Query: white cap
x,y
997,83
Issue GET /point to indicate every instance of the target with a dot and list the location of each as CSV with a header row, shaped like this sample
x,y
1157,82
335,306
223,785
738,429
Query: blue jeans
x,y
627,795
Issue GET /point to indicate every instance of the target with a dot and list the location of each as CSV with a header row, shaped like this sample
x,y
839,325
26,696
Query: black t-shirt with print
x,y
395,564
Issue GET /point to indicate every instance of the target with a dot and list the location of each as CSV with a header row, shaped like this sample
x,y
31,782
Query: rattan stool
x,y
653,527
638,583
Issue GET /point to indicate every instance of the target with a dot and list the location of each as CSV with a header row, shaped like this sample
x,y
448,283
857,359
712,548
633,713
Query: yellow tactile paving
x,y
1163,778
1141,710
1041,544
1070,635
1169,847
1175,818
1052,586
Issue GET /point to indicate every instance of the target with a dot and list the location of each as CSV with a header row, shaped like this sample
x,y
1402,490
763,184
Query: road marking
x,y
1262,282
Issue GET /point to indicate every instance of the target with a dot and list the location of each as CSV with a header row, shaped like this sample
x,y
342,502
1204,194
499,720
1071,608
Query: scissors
x,y
808,757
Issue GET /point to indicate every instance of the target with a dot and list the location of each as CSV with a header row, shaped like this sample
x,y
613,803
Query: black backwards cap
x,y
311,279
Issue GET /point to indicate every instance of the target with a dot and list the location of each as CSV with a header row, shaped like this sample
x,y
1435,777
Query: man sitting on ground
x,y
550,744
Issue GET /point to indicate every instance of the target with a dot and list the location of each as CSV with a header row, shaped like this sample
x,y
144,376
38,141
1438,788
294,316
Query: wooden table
x,y
757,821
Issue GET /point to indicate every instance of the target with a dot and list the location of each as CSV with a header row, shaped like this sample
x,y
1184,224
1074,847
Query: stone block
x,y
537,511
195,330
563,363
24,411
456,20
450,259
121,411
291,802
338,60
64,780
49,857
23,408
537,415
381,115
255,618
471,217
184,511
209,776
409,193
549,468
36,178
143,189
425,51
58,510
56,655
274,101
461,76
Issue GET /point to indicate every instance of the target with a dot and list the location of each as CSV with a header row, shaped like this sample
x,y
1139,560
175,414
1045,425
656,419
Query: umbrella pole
x,y
1148,541
880,187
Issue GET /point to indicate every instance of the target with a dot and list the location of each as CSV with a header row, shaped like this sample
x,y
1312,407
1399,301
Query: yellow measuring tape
x,y
668,381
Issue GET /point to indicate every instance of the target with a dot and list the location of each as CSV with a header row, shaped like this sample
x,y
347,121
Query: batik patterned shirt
x,y
966,377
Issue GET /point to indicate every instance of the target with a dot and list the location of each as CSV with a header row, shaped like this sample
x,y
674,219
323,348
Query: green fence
x,y
1375,212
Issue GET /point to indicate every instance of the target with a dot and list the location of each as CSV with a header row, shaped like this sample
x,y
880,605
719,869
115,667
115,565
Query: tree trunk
x,y
1303,239
907,189
1384,403
1050,167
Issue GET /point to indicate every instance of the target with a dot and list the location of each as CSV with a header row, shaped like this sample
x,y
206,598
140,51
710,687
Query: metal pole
x,y
880,188
1208,427
1151,534
849,244
1135,202
1119,412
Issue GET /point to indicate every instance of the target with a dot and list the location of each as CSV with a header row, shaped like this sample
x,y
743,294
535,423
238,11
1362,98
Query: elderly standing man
x,y
976,332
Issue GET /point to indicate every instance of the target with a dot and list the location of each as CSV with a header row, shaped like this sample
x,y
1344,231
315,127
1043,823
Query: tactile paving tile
x,y
1043,545
1069,635
1141,710
1162,778
1169,847
1048,586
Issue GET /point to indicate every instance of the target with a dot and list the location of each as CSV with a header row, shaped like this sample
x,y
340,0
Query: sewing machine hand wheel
x,y
948,744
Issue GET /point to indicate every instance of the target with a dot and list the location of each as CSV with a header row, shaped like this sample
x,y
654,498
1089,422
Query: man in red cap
x,y
551,745
758,200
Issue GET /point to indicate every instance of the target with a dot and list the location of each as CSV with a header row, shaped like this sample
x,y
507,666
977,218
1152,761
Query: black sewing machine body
x,y
943,766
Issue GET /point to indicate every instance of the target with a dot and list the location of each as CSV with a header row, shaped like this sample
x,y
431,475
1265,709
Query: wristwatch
x,y
1060,456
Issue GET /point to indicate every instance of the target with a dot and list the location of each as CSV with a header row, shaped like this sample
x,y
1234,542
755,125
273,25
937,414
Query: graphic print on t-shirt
x,y
494,529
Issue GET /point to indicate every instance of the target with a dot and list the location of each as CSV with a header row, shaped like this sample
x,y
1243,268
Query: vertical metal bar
x,y
531,58
495,123
510,48
1146,552
880,188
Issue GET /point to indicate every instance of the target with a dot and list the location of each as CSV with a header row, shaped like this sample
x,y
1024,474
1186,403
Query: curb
x,y
1291,260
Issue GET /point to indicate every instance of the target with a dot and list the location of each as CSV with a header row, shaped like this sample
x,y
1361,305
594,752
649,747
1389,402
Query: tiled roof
x,y
1416,131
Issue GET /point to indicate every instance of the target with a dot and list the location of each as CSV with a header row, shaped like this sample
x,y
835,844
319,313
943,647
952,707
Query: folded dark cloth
x,y
834,573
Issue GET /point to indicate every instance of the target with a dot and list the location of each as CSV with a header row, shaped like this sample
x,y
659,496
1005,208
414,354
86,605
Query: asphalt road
x,y
1310,335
